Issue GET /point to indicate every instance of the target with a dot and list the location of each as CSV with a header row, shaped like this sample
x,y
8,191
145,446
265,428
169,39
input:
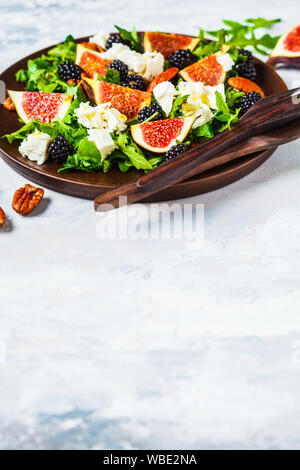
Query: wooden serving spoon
x,y
252,133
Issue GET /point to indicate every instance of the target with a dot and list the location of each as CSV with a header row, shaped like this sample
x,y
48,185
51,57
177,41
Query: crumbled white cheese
x,y
211,91
200,101
226,61
101,117
149,64
195,90
100,38
200,93
103,141
133,59
164,94
203,114
35,147
154,62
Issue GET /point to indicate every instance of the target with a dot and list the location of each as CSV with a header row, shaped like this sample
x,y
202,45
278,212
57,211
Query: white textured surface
x,y
145,344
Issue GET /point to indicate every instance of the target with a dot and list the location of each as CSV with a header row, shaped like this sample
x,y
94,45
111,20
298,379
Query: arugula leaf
x,y
262,22
87,158
177,105
223,117
206,48
132,37
233,97
27,129
42,72
243,35
132,151
155,161
66,50
111,76
204,131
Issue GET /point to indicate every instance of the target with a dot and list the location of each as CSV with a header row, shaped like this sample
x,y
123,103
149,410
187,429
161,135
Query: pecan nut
x,y
27,198
2,217
9,104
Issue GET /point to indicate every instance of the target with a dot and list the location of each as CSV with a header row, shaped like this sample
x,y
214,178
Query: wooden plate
x,y
89,185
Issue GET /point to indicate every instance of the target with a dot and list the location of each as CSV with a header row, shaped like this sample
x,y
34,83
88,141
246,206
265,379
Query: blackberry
x,y
120,67
68,70
134,81
148,111
248,100
116,38
182,58
247,54
175,151
59,149
247,70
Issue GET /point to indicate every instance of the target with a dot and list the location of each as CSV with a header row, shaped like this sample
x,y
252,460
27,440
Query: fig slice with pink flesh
x,y
287,50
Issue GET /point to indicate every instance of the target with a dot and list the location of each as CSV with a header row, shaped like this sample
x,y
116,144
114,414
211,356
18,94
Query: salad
x,y
132,100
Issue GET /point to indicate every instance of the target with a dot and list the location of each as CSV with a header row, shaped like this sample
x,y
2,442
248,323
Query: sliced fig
x,y
44,107
167,43
127,101
287,50
160,136
91,61
207,70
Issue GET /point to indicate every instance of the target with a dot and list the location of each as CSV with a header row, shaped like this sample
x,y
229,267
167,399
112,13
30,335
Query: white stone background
x,y
145,344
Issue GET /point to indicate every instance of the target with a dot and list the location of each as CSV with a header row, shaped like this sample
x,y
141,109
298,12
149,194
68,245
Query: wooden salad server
x,y
266,115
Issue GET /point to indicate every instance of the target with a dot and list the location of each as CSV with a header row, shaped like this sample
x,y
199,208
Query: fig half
x,y
287,50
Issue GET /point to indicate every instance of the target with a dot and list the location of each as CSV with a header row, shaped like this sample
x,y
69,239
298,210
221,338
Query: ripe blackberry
x,y
68,70
134,81
248,100
182,58
59,149
247,54
148,111
116,38
247,70
175,151
120,67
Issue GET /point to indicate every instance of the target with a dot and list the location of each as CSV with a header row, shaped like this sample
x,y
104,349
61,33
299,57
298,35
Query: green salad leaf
x,y
129,148
244,35
132,37
111,76
87,158
42,73
177,105
224,117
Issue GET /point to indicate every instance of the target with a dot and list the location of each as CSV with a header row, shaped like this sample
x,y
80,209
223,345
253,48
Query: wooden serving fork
x,y
268,114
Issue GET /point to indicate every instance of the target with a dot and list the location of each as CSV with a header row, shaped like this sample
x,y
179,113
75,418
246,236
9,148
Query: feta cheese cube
x,y
154,65
149,64
226,61
210,92
164,94
35,147
101,117
100,38
103,141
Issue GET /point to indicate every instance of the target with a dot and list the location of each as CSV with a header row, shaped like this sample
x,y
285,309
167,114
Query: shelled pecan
x,y
2,217
26,199
9,104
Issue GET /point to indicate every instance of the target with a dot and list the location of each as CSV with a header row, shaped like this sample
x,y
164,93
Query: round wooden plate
x,y
89,185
